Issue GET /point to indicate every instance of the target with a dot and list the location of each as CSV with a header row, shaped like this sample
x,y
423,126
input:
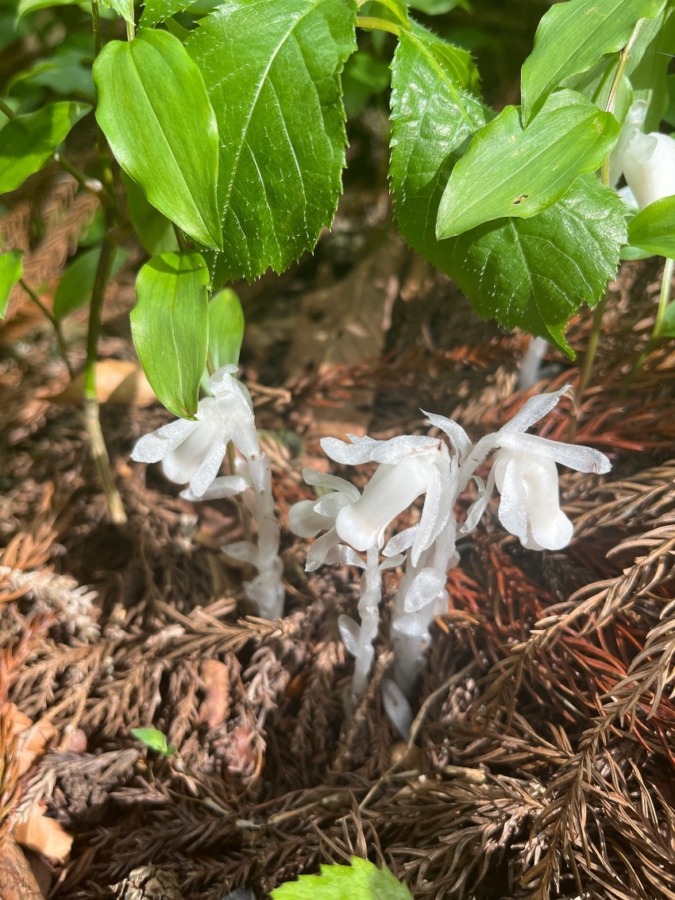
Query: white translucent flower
x,y
410,465
309,517
525,474
192,451
647,161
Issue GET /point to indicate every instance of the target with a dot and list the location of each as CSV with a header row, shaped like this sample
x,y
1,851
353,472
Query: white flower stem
x,y
266,589
369,613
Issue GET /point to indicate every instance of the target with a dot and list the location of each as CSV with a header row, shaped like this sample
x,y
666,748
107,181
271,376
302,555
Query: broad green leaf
x,y
28,6
155,112
156,11
153,229
123,8
533,273
11,270
27,142
571,37
226,328
653,228
360,881
649,63
596,84
272,70
67,73
77,282
511,171
389,10
169,325
153,739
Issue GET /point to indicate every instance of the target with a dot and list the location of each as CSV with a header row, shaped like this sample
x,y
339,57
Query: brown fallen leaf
x,y
44,835
118,381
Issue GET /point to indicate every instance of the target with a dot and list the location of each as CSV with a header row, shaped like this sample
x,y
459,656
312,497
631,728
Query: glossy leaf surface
x,y
653,228
28,141
155,112
272,69
571,37
11,270
169,325
533,273
361,880
511,171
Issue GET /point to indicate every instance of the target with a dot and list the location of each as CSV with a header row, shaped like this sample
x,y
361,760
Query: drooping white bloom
x,y
410,465
525,474
192,451
647,161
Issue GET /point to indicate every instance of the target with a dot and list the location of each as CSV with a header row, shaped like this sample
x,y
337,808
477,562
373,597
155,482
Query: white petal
x,y
392,561
152,447
350,633
437,505
479,506
304,521
458,437
428,586
574,456
359,451
395,449
400,542
319,550
183,462
330,504
391,490
649,167
245,551
206,474
225,486
534,409
333,482
397,707
513,502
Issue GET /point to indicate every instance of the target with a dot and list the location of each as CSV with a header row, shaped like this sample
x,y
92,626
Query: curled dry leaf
x,y
118,381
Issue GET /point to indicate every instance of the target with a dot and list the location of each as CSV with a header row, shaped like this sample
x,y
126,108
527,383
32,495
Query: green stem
x,y
371,23
96,26
60,340
664,299
92,419
610,105
131,31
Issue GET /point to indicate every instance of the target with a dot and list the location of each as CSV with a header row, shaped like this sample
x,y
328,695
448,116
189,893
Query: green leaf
x,y
653,228
156,11
154,230
11,270
571,37
272,70
28,6
534,272
154,110
153,739
77,282
648,65
361,880
67,72
27,142
523,171
169,325
123,8
438,7
226,328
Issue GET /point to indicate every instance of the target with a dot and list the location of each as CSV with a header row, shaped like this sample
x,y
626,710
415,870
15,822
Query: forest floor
x,y
541,760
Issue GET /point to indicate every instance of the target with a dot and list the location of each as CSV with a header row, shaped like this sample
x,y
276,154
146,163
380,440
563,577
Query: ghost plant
x,y
523,471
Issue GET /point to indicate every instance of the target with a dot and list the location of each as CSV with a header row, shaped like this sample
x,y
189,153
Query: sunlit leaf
x,y
153,739
155,112
571,37
511,171
28,141
169,325
226,328
272,70
653,228
11,270
360,881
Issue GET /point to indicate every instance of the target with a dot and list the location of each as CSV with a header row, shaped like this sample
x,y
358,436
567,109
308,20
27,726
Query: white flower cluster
x,y
192,452
523,472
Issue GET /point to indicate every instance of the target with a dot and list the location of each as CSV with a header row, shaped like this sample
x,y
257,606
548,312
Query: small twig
x,y
49,315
